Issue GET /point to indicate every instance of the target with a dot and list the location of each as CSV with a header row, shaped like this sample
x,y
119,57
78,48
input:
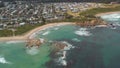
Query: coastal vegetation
x,y
95,11
18,30
84,17
87,17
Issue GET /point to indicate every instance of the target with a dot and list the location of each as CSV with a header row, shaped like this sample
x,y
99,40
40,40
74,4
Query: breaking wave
x,y
10,42
3,60
46,33
33,35
111,16
83,32
56,28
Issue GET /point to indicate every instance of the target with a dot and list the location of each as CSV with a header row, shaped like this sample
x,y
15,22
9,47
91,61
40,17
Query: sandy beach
x,y
29,34
100,14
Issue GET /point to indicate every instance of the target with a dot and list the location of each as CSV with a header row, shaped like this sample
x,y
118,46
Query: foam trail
x,y
3,60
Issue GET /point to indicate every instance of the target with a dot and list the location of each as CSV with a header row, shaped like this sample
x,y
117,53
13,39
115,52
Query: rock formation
x,y
33,42
57,46
91,23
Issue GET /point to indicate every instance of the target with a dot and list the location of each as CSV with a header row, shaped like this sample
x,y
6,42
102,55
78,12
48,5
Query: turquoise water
x,y
88,48
17,56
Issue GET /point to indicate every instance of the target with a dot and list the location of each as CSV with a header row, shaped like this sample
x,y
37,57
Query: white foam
x,y
59,25
33,35
46,33
83,32
68,47
64,55
116,23
76,39
101,26
56,28
62,60
10,42
111,16
32,51
42,40
3,60
113,28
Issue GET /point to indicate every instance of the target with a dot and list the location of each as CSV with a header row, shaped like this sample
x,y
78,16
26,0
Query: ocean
x,y
97,47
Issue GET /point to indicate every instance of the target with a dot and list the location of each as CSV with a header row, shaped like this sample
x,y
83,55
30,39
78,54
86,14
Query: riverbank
x,y
29,34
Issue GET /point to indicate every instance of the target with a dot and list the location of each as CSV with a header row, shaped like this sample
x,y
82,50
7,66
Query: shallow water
x,y
17,56
87,48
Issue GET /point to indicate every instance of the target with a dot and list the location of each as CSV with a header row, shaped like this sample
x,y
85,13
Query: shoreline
x,y
106,13
40,28
30,33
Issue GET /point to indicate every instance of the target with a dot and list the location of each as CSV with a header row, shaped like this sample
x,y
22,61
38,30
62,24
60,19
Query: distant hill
x,y
104,1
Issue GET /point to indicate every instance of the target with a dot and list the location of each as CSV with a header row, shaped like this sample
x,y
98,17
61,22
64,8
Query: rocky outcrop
x,y
33,42
91,23
57,46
